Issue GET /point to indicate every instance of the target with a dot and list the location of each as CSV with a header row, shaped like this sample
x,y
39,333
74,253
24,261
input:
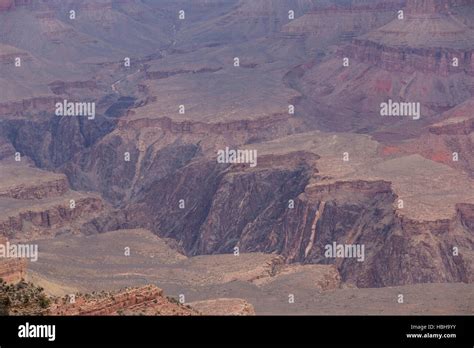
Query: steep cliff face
x,y
27,220
173,186
22,298
397,250
427,38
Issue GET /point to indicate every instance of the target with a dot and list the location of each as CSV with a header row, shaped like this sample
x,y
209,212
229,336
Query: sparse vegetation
x,y
173,300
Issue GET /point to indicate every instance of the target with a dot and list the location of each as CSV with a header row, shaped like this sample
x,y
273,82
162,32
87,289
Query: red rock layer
x,y
411,59
27,105
12,270
147,300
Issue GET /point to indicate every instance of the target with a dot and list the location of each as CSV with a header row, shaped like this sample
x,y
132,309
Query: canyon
x,y
147,299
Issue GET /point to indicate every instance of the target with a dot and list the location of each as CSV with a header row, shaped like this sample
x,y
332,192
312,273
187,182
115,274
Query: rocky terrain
x,y
38,203
224,284
22,298
299,82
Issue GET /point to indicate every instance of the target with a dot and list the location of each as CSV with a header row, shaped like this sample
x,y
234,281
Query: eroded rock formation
x,y
147,300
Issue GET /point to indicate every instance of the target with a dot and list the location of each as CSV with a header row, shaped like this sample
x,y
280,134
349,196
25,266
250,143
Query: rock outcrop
x,y
218,215
434,6
157,165
448,141
37,203
147,300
